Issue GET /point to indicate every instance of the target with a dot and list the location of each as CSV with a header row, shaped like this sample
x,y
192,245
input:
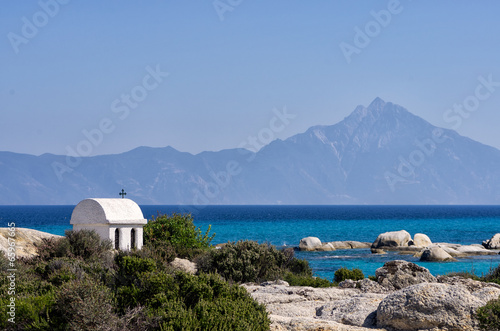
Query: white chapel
x,y
120,220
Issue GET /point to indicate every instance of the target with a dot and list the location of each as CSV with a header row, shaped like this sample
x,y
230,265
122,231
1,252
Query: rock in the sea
x,y
493,243
392,239
349,244
184,265
421,240
398,274
326,247
378,251
432,305
359,310
435,254
26,240
474,250
309,244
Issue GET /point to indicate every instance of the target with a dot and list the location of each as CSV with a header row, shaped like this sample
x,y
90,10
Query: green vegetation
x,y
247,261
179,233
79,283
344,273
489,315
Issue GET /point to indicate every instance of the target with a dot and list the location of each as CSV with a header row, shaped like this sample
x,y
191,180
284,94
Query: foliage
x,y
344,273
77,283
489,315
84,244
493,276
181,301
301,280
85,305
247,261
179,232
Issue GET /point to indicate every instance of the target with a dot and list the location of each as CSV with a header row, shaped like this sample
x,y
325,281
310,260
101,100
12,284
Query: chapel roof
x,y
107,211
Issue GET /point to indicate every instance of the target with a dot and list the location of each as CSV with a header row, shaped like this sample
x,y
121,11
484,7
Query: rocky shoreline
x,y
420,246
404,297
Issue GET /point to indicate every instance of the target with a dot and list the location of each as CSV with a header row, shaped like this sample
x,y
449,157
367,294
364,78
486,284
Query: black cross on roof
x,y
123,194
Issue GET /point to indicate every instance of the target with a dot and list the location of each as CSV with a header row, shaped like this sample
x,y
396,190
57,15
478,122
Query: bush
x,y
185,302
300,280
247,261
179,232
489,315
85,244
344,273
50,248
206,302
85,305
493,276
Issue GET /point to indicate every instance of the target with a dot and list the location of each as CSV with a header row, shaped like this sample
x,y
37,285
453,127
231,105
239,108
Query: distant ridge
x,y
380,154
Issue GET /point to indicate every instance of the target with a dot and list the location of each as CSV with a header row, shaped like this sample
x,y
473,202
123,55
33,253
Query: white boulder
x,y
392,239
421,240
493,243
310,244
435,254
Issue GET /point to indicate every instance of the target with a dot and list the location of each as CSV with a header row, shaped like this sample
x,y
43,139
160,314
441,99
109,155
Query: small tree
x,y
177,231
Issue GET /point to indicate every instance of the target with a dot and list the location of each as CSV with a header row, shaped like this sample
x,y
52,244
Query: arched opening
x,y
132,239
117,239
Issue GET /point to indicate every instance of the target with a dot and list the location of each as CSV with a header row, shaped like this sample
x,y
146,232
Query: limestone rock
x,y
365,285
471,284
493,243
25,240
435,254
275,282
378,251
430,305
398,274
184,265
296,307
392,239
326,247
474,250
309,244
421,240
350,244
360,310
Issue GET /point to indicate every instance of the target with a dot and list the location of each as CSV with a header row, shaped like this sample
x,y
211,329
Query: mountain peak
x,y
377,104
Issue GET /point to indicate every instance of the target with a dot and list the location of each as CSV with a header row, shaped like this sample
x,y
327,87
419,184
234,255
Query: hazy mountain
x,y
380,154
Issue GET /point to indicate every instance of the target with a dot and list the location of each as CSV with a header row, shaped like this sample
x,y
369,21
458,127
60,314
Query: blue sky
x,y
222,66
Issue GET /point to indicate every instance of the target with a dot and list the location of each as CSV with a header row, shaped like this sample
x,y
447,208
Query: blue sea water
x,y
286,225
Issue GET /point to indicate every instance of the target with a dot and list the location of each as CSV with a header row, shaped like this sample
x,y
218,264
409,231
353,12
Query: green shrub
x,y
85,305
493,276
344,273
249,261
489,315
88,244
206,302
300,280
32,312
179,232
85,244
49,248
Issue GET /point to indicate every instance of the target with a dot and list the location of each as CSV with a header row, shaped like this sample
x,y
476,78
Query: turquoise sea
x,y
286,225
